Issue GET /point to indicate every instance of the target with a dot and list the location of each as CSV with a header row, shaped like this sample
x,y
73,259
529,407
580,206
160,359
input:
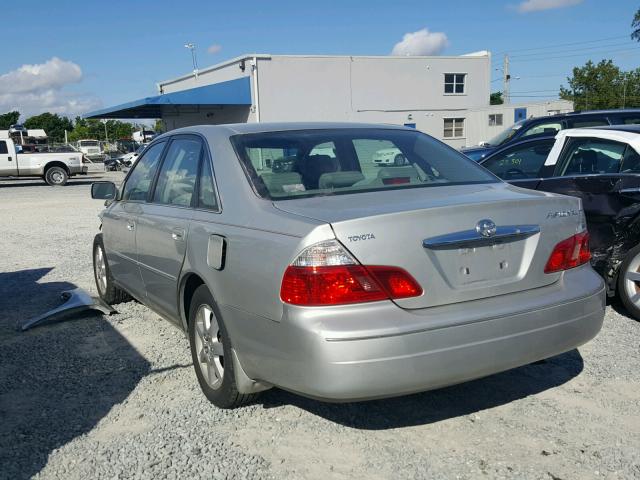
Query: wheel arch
x,y
56,163
188,285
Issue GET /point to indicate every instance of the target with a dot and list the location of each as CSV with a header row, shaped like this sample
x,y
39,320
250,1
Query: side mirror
x,y
104,191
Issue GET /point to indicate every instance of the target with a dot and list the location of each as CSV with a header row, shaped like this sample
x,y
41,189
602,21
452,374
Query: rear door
x,y
592,169
8,162
163,224
522,163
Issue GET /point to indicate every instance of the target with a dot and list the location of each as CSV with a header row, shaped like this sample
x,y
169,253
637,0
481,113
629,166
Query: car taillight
x,y
326,274
569,253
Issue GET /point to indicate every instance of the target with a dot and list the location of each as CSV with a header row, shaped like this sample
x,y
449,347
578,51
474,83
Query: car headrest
x,y
284,182
397,172
339,179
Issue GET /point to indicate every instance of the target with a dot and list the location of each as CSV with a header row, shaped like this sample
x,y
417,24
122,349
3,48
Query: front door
x,y
121,219
8,162
520,164
163,226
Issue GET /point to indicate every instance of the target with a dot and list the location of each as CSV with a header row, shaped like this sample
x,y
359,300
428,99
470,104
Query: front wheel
x,y
629,282
211,352
107,289
56,176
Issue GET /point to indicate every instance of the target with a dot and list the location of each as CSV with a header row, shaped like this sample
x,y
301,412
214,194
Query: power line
x,y
563,44
604,52
594,47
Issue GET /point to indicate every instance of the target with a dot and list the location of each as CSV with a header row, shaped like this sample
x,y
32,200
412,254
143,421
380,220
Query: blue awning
x,y
232,92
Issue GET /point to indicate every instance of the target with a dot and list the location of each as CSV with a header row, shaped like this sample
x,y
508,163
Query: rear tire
x,y
629,282
211,352
107,289
56,176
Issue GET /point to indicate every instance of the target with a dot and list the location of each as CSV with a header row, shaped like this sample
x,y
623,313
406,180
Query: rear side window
x,y
587,156
323,162
3,147
520,162
177,177
631,161
139,181
207,193
588,122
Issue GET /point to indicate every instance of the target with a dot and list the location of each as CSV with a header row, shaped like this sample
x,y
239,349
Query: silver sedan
x,y
292,260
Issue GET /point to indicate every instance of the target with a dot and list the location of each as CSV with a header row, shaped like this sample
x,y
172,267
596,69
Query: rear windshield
x,y
304,163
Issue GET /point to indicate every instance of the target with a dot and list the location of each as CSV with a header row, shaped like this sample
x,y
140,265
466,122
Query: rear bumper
x,y
379,350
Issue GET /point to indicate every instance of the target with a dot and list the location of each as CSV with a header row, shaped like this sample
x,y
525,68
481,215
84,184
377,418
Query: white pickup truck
x,y
53,168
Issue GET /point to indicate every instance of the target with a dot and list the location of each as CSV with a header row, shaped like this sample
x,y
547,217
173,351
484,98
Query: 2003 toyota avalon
x,y
336,278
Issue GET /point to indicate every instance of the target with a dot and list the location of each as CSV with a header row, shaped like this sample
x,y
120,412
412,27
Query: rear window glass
x,y
303,163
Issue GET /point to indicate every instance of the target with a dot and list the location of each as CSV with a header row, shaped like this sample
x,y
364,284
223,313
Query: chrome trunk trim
x,y
472,238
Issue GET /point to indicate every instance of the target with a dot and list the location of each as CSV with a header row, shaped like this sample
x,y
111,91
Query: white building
x,y
445,96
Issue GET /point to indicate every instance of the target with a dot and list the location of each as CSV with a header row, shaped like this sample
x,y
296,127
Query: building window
x,y
453,127
495,119
454,83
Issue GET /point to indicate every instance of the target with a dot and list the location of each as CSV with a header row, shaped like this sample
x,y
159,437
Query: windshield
x,y
304,163
88,143
505,135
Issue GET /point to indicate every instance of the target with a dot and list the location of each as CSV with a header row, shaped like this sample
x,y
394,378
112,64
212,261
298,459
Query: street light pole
x,y
192,47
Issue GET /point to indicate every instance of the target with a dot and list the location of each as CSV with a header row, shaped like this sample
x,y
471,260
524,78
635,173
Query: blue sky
x,y
112,52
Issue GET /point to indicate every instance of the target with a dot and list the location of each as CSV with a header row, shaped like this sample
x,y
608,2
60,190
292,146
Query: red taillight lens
x,y
395,180
569,253
344,284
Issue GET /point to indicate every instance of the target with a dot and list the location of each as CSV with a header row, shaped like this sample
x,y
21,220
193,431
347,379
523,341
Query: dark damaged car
x,y
602,167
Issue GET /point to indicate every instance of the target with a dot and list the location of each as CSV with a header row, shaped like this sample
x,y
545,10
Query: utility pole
x,y
506,79
624,91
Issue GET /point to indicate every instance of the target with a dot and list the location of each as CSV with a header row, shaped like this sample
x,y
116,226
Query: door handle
x,y
630,190
131,226
177,234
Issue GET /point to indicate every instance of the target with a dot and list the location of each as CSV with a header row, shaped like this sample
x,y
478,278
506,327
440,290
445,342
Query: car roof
x,y
243,128
585,113
621,128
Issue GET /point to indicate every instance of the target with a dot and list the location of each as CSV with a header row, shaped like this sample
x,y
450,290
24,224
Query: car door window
x,y
139,181
206,193
546,128
631,161
588,156
521,161
586,122
177,177
3,148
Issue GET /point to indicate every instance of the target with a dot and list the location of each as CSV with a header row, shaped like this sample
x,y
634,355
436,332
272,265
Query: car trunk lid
x,y
434,235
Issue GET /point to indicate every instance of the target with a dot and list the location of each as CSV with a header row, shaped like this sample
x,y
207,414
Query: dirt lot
x,y
116,397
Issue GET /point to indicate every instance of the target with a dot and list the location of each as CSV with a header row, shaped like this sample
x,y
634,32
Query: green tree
x,y
635,24
602,86
51,123
94,129
9,118
496,98
159,126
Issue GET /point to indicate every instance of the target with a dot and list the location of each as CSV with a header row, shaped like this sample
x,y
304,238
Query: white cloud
x,y
34,89
537,5
422,42
213,49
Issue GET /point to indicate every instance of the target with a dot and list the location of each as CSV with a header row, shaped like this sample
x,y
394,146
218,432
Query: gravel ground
x,y
116,397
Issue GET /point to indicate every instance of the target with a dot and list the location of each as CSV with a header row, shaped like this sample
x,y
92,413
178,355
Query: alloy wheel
x,y
209,346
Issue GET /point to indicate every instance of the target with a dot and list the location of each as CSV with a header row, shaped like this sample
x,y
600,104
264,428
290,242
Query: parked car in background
x,y
90,148
341,280
54,168
550,125
388,156
602,167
